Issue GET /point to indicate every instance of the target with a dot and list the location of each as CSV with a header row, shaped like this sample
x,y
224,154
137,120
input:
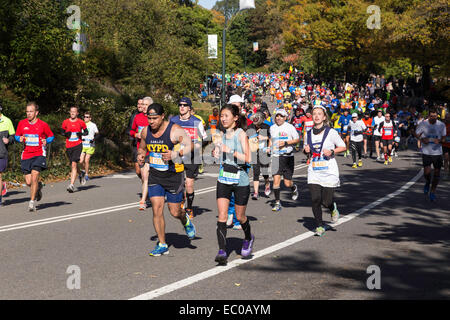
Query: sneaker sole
x,y
159,254
221,260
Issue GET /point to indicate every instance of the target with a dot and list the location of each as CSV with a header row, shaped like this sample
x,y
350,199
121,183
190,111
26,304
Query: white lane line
x,y
90,213
237,262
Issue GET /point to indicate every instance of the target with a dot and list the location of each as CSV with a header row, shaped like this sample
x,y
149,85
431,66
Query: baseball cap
x,y
235,98
354,115
186,100
282,112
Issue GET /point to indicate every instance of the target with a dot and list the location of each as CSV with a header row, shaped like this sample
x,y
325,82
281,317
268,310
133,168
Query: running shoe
x,y
237,226
189,228
159,250
267,191
190,212
277,206
390,159
379,159
86,178
221,257
432,196
142,206
354,166
39,191
247,247
295,193
230,220
201,169
31,206
360,163
320,231
335,213
426,189
4,189
71,188
345,154
386,162
255,196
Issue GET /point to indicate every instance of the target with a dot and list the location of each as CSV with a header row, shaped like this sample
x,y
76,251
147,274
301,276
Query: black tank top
x,y
157,146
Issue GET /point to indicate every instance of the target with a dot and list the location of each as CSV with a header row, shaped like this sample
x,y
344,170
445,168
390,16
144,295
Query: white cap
x,y
354,115
235,98
281,111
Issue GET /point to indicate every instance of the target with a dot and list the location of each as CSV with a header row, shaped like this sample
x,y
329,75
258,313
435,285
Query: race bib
x,y
229,174
86,144
140,129
388,132
156,161
345,128
319,164
73,137
32,140
277,150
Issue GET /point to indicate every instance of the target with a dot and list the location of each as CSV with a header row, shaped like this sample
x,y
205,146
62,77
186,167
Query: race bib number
x,y
156,161
319,164
345,128
276,149
73,137
387,132
86,144
140,129
227,177
32,140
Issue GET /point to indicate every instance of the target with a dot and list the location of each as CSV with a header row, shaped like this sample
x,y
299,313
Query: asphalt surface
x,y
100,230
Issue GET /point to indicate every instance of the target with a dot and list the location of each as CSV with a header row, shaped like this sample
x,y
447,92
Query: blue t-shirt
x,y
344,121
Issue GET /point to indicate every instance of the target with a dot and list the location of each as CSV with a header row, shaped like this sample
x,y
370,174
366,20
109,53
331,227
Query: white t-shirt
x,y
284,132
325,172
431,131
356,126
92,129
376,122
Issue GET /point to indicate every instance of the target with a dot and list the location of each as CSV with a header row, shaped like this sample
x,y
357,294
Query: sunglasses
x,y
87,116
183,105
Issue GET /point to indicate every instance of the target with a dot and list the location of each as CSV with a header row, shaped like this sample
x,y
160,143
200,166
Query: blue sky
x,y
208,4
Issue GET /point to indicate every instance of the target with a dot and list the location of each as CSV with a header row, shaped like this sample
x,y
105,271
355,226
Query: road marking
x,y
90,213
237,262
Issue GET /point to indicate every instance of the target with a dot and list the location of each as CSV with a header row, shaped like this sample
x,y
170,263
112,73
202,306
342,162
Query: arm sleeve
x,y
133,128
201,130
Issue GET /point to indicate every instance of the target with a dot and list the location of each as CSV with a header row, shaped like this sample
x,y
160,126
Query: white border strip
x,y
237,262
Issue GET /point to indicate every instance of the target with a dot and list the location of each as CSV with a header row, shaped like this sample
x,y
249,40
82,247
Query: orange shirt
x,y
279,95
368,123
213,121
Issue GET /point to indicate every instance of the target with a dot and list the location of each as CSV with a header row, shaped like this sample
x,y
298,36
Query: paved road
x,y
385,221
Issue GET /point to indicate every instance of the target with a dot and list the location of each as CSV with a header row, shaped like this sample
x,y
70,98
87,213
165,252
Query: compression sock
x,y
190,199
276,191
222,235
247,230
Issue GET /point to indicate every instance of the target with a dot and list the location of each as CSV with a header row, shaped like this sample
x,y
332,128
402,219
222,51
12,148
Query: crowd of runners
x,y
318,119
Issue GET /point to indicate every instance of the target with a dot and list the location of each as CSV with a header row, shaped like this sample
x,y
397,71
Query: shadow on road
x,y
52,204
